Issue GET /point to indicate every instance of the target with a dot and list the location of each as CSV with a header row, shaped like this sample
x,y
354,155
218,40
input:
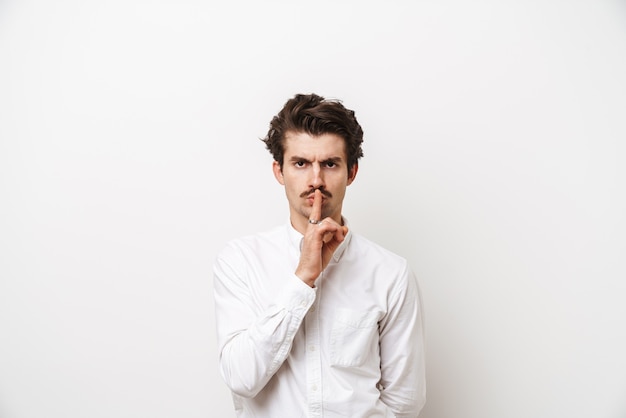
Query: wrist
x,y
307,278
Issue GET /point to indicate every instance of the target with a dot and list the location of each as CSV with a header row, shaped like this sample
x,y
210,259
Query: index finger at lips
x,y
316,210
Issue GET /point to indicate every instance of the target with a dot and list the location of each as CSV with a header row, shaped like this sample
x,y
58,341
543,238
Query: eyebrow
x,y
334,160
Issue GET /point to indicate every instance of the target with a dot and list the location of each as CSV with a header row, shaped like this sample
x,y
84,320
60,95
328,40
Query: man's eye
x,y
330,164
299,163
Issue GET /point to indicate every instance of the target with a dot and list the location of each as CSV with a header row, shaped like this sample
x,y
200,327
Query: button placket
x,y
313,360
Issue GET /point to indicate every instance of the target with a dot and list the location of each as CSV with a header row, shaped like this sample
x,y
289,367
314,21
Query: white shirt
x,y
350,347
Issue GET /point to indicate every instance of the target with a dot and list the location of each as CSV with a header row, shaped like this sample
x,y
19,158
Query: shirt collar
x,y
295,240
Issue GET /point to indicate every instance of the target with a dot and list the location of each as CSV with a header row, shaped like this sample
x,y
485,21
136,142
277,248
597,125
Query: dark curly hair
x,y
315,115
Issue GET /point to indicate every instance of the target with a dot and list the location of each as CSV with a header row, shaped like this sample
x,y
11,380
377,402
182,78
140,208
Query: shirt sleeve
x,y
252,346
403,380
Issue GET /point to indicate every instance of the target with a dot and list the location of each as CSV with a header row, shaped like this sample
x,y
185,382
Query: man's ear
x,y
352,173
278,172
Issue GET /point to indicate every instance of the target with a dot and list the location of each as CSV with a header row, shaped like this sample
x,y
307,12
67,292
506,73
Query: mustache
x,y
311,191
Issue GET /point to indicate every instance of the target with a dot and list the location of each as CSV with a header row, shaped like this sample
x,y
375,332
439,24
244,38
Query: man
x,y
314,320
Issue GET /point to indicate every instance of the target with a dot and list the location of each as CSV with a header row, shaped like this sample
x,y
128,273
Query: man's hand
x,y
320,241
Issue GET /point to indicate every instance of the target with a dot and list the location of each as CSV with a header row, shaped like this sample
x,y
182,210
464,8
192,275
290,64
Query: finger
x,y
316,209
341,233
331,230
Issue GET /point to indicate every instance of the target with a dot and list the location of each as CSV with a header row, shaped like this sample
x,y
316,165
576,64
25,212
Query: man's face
x,y
314,162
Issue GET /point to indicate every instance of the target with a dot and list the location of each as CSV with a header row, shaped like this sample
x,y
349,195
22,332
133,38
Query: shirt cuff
x,y
296,297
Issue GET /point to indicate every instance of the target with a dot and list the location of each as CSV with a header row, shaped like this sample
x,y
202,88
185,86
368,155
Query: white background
x,y
129,154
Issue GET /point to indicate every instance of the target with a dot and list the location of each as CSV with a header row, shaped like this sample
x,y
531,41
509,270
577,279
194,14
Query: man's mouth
x,y
311,198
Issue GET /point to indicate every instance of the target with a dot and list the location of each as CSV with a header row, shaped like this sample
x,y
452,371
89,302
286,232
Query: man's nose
x,y
317,180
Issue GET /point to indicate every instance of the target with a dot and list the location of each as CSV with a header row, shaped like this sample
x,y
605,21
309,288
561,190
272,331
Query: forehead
x,y
322,146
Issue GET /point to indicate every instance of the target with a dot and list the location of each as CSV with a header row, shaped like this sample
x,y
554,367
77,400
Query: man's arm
x,y
402,350
253,346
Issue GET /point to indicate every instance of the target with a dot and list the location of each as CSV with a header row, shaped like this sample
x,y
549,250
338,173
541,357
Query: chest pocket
x,y
354,337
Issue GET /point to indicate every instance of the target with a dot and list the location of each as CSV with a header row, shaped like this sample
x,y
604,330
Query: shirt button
x,y
311,348
314,388
312,308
